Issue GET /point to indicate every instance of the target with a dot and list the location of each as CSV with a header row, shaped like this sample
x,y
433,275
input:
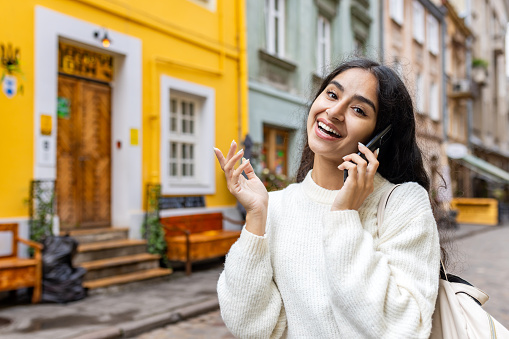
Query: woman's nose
x,y
336,111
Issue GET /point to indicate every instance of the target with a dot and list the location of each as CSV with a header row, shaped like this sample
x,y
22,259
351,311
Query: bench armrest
x,y
31,243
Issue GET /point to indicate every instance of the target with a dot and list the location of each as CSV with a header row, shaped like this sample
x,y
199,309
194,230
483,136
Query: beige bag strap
x,y
382,205
380,215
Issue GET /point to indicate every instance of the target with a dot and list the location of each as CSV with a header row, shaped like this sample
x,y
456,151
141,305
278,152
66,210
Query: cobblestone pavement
x,y
483,260
207,326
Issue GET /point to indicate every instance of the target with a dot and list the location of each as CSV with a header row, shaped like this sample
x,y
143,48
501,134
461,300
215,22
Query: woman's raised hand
x,y
250,192
360,181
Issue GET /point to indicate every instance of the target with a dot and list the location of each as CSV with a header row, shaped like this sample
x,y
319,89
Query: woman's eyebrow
x,y
356,96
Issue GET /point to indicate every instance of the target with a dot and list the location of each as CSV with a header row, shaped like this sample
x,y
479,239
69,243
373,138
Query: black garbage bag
x,y
61,282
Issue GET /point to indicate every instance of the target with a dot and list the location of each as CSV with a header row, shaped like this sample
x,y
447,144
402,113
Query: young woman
x,y
311,261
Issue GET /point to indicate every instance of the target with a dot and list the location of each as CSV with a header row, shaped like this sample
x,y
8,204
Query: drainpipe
x,y
445,121
243,121
468,60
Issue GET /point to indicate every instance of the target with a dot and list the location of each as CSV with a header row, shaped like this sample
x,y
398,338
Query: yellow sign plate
x,y
134,136
46,124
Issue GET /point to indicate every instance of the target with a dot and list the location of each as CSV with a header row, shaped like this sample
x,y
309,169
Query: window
x,y
275,27
418,21
432,34
187,132
419,93
434,111
396,10
182,137
324,42
275,150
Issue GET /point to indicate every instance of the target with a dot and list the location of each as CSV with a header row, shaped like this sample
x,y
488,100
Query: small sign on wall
x,y
134,137
63,108
46,124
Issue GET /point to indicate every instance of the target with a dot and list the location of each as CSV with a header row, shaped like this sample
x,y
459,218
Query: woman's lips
x,y
321,134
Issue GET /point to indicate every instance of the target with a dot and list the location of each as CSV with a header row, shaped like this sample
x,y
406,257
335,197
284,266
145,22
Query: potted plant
x,y
479,70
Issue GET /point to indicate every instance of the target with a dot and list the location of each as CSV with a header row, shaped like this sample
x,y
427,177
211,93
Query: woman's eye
x,y
332,95
359,111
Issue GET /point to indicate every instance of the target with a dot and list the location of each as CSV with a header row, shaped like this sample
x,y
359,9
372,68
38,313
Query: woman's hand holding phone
x,y
360,181
250,192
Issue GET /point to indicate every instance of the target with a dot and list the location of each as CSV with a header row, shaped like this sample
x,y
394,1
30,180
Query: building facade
x,y
413,46
480,122
107,97
291,46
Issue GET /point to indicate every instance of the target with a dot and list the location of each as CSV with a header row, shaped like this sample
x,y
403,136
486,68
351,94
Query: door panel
x,y
66,156
83,155
95,152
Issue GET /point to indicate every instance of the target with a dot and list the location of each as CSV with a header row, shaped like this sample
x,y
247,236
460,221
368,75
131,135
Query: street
x,y
480,259
483,261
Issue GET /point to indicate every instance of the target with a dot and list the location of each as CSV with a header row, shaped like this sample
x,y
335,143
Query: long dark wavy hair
x,y
400,158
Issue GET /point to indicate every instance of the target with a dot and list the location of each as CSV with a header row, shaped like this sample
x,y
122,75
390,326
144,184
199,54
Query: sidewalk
x,y
121,314
129,312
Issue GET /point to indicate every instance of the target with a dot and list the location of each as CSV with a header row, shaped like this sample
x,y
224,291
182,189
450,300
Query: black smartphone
x,y
373,144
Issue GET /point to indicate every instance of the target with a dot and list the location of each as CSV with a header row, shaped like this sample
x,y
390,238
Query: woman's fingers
x,y
231,151
351,168
372,161
220,157
249,170
230,164
239,170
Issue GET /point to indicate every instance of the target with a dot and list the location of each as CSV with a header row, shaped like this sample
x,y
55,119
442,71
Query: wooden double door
x,y
83,190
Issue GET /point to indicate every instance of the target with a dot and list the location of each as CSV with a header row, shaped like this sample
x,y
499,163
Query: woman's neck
x,y
326,174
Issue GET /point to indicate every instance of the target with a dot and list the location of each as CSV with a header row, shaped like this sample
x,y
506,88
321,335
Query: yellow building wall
x,y
179,38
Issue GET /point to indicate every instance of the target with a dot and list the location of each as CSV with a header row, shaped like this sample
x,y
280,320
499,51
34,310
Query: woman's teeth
x,y
328,129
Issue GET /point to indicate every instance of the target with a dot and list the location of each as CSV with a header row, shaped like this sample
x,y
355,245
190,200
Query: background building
x,y
413,45
106,97
291,45
482,171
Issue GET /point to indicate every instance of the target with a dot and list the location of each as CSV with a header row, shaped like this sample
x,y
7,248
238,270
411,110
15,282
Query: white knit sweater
x,y
323,274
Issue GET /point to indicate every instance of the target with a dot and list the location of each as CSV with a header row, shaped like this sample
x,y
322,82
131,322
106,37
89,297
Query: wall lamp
x,y
106,42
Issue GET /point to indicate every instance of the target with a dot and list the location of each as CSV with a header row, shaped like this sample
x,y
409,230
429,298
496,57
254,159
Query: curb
x,y
130,329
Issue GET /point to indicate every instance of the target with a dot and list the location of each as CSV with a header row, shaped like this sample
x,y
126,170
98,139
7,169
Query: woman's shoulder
x,y
410,196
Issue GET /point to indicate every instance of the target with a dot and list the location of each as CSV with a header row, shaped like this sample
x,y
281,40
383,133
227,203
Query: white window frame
x,y
182,136
324,45
418,21
432,36
396,10
419,93
275,31
203,181
434,110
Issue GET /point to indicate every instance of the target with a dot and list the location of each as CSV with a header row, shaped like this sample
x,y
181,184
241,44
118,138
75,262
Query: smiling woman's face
x,y
343,114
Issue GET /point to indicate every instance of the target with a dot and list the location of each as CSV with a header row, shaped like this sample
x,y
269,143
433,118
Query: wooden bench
x,y
192,238
17,272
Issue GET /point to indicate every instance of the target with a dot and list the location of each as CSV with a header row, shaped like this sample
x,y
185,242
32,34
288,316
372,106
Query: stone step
x,y
127,278
108,249
108,267
85,236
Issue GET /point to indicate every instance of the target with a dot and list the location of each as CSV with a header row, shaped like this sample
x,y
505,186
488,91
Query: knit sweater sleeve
x,y
251,305
387,289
